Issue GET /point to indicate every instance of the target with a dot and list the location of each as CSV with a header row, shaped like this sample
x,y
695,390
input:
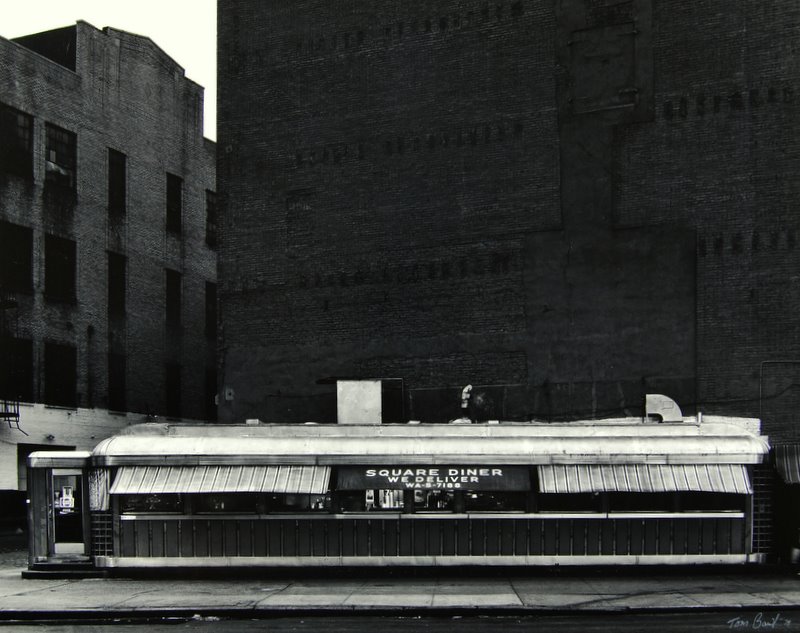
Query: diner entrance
x,y
58,511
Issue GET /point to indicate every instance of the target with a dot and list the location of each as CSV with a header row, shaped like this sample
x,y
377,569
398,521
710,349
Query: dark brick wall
x,y
124,94
527,196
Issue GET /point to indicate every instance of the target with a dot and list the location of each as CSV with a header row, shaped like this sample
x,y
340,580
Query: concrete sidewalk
x,y
445,592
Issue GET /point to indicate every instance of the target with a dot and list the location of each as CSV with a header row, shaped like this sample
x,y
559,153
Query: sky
x,y
184,29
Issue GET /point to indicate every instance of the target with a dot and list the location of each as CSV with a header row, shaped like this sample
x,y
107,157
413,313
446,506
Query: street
x,y
665,623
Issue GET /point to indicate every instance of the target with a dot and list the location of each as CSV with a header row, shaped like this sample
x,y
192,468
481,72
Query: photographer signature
x,y
759,622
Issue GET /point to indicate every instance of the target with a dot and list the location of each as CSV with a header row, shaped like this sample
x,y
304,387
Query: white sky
x,y
184,29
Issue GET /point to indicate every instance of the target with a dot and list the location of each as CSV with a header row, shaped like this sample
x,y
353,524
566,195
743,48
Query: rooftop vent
x,y
666,409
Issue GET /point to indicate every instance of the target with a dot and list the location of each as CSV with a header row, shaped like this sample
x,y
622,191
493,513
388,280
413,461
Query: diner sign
x,y
433,478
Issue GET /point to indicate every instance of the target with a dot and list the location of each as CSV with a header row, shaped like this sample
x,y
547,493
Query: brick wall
x,y
567,205
124,94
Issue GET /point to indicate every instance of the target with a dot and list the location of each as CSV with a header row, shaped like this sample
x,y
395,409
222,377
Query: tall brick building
x,y
567,205
107,237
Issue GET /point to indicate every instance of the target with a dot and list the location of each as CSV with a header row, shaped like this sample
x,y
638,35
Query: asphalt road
x,y
706,622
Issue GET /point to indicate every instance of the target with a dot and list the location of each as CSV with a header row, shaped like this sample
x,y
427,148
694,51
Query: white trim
x,y
114,562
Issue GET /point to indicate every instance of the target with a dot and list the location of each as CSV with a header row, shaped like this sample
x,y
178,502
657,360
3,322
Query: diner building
x,y
624,491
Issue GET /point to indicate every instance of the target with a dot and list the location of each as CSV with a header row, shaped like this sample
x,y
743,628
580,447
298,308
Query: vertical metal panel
x,y
420,537
477,537
593,537
217,538
550,537
564,537
259,538
128,538
230,536
171,539
449,535
708,535
579,536
738,542
650,536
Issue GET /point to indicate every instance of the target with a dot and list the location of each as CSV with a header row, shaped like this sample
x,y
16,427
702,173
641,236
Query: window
x,y
245,503
211,393
60,158
16,142
154,503
173,298
116,382
211,310
16,370
174,202
60,375
172,388
211,219
16,258
116,284
59,269
117,182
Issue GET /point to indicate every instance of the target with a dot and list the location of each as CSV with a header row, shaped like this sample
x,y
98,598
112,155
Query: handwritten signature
x,y
760,621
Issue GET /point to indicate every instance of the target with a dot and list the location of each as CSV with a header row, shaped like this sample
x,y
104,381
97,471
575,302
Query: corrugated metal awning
x,y
787,459
644,478
175,479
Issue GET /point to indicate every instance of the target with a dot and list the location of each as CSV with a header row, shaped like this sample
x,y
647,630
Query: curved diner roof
x,y
716,440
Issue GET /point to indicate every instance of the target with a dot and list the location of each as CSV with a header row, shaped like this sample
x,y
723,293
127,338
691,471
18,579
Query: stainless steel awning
x,y
191,479
644,478
787,459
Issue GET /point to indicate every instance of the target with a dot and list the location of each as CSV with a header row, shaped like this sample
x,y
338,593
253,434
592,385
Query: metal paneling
x,y
197,479
644,478
787,459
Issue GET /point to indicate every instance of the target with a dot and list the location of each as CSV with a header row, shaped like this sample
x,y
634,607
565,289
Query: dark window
x,y
158,504
174,203
60,375
173,298
576,502
211,219
59,269
16,369
231,502
116,284
116,382
211,310
60,158
117,182
172,388
16,142
16,257
211,393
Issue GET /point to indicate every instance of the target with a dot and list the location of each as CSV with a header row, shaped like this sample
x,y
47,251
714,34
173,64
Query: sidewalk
x,y
445,592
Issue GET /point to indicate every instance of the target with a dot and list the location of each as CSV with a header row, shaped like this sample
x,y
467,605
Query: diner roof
x,y
629,441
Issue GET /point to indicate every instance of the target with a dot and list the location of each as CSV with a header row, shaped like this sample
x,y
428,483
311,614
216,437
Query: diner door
x,y
68,529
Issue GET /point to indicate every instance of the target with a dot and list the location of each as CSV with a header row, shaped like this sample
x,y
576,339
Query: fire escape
x,y
9,398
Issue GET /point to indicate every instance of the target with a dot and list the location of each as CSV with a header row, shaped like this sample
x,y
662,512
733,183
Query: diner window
x,y
174,203
60,158
16,258
173,298
496,501
116,284
642,501
117,182
60,375
59,269
711,502
290,502
16,142
571,502
230,503
151,504
116,382
211,219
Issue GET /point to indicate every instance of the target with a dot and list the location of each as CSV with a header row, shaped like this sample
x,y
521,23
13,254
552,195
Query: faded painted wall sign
x,y
434,478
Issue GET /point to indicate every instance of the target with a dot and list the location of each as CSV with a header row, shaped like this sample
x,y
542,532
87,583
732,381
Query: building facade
x,y
107,241
566,205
